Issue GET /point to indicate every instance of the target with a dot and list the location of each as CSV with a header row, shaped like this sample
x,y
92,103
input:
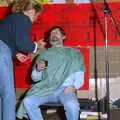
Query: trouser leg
x,y
71,105
7,93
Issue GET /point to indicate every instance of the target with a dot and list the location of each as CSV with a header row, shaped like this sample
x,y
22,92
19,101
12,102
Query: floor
x,y
53,116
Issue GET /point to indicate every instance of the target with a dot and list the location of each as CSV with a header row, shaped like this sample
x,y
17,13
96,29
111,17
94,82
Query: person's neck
x,y
26,14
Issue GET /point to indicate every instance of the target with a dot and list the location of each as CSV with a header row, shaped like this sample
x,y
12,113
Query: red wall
x,y
77,20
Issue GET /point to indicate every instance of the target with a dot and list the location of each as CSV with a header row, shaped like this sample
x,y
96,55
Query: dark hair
x,y
47,34
25,5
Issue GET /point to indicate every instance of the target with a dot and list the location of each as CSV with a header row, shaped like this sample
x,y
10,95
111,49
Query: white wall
x,y
114,89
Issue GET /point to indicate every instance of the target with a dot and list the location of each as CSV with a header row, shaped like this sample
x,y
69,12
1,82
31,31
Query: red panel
x,y
22,74
86,53
78,20
4,11
23,70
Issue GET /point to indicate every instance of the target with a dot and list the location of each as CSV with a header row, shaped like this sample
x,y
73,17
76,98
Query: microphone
x,y
107,9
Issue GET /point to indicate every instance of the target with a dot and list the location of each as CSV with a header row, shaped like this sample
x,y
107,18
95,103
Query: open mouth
x,y
54,40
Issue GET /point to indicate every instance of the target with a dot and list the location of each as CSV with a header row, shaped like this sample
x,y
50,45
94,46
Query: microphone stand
x,y
94,20
108,13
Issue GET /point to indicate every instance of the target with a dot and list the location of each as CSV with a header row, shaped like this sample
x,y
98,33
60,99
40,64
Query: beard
x,y
54,41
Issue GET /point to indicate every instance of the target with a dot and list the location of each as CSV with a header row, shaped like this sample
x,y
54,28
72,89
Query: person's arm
x,y
36,75
78,79
21,57
38,71
22,37
75,82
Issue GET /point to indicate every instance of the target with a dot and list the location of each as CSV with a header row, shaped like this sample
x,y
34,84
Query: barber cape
x,y
62,62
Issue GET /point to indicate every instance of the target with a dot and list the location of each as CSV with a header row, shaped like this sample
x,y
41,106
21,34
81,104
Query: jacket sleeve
x,y
22,37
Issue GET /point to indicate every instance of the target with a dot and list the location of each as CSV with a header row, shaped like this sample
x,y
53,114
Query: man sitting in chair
x,y
60,71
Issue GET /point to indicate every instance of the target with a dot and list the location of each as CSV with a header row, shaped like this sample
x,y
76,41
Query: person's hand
x,y
41,47
41,43
21,57
69,89
41,65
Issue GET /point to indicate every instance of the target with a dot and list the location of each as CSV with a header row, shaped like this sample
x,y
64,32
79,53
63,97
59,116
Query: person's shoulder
x,y
20,17
76,51
70,49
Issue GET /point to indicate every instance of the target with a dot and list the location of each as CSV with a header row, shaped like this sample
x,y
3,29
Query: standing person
x,y
14,39
58,72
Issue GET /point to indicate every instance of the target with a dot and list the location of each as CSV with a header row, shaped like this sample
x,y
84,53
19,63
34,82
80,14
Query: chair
x,y
53,105
50,105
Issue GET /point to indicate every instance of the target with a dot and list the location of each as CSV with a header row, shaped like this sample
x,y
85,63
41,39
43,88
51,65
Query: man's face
x,y
56,37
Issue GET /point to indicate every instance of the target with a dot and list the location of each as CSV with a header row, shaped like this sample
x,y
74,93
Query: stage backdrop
x,y
84,26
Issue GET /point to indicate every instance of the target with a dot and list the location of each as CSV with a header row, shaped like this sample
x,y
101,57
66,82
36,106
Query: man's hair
x,y
47,34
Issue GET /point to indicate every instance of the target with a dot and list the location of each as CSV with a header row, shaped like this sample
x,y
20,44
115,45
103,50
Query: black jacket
x,y
15,32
